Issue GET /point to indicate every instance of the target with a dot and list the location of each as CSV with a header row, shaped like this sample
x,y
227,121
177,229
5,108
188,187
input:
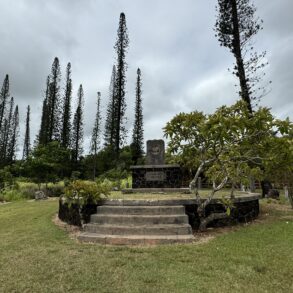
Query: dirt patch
x,y
203,238
73,231
280,207
45,199
212,233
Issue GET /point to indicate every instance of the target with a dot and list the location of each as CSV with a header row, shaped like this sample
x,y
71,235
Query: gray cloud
x,y
183,66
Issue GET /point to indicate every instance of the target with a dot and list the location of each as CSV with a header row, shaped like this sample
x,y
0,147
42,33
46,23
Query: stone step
x,y
183,229
141,210
138,219
134,239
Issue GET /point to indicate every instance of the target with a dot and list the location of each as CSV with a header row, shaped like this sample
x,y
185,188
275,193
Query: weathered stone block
x,y
155,152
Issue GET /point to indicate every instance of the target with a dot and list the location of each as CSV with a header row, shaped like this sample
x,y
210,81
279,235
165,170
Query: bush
x,y
26,190
8,194
84,192
80,201
117,178
54,189
6,178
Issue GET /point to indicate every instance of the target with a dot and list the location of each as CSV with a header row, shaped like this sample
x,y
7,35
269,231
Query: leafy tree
x,y
77,135
120,47
220,146
53,102
109,133
27,143
235,27
4,95
137,135
96,134
280,169
66,124
48,163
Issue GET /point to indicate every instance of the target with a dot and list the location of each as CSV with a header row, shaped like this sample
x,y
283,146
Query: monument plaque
x,y
155,176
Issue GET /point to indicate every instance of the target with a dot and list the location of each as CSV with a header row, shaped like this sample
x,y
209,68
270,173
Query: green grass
x,y
37,256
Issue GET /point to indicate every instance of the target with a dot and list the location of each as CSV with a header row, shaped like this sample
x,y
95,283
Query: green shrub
x,y
6,178
116,177
126,183
85,192
54,189
114,174
11,195
80,200
27,189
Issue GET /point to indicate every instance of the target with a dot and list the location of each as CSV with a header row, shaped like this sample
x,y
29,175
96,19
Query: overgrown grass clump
x,y
38,256
20,190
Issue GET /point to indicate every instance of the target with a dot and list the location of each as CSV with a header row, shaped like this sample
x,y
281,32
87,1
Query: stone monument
x,y
155,152
156,175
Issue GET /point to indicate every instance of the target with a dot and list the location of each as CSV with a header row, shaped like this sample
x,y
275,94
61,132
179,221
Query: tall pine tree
x,y
54,103
43,136
109,133
12,145
137,135
95,142
77,135
27,143
6,133
120,47
66,123
236,26
4,95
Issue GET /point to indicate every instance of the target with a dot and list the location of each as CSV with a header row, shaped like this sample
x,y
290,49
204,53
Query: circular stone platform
x,y
159,221
180,201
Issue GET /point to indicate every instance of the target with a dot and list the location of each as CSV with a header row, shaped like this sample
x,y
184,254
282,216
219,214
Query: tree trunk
x,y
214,216
252,184
238,55
290,195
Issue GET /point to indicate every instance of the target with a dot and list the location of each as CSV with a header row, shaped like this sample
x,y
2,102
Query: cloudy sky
x,y
183,67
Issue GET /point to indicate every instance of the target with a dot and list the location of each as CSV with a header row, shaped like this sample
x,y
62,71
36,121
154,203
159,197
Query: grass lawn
x,y
37,256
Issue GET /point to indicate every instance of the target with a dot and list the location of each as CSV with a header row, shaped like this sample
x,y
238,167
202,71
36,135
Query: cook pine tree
x,y
54,103
51,127
66,117
121,46
43,136
235,28
77,129
4,96
109,132
27,143
95,141
12,145
7,131
9,125
137,135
